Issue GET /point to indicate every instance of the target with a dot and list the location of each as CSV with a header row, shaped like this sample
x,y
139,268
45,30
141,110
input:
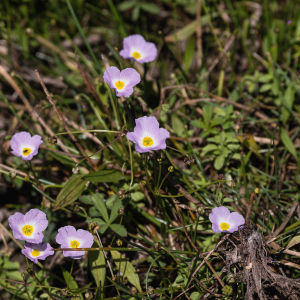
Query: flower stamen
x,y
147,141
27,230
74,244
26,151
136,55
35,253
224,226
119,84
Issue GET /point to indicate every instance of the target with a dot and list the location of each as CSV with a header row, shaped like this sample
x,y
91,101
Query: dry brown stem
x,y
65,124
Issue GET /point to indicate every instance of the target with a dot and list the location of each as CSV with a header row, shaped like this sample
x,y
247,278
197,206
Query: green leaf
x,y
289,97
150,7
114,211
207,113
219,162
177,125
287,142
294,241
127,269
69,278
86,199
265,87
97,265
98,201
110,201
119,229
93,212
195,296
137,196
189,53
105,176
135,13
208,148
265,78
126,5
70,192
198,124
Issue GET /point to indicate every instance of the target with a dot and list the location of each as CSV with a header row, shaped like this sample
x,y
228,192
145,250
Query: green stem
x,y
131,165
163,180
82,131
70,275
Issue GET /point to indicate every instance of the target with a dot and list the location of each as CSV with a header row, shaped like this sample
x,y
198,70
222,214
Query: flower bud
x,y
143,182
230,278
88,296
165,107
119,243
189,160
52,140
150,290
159,160
201,210
171,169
121,211
63,292
256,190
156,192
221,177
227,290
121,194
157,246
26,178
133,291
75,170
12,174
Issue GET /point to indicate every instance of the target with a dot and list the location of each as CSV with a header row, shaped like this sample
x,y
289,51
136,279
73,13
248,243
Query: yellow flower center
x,y
119,84
147,141
26,151
35,252
136,55
27,230
74,244
224,226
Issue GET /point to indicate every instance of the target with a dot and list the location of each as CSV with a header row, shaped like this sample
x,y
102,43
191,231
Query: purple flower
x,y
136,48
25,146
224,221
37,251
147,135
123,81
68,237
29,227
289,22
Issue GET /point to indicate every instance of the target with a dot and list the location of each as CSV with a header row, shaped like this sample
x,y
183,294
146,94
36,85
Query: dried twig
x,y
285,221
250,207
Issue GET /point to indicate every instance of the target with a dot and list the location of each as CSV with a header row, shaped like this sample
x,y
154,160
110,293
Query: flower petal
x,y
130,76
111,75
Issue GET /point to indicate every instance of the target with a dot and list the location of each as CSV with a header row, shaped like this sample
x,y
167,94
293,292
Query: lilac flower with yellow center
x,y
147,135
68,237
123,82
37,251
29,227
224,221
136,48
24,145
